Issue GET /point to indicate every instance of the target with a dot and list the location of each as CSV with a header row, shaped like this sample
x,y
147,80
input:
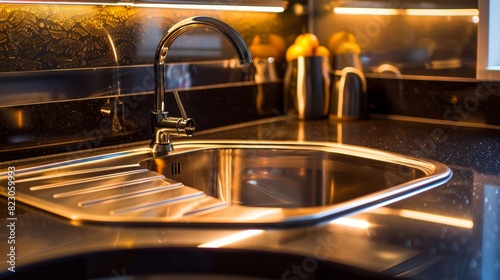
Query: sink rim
x,y
436,174
187,146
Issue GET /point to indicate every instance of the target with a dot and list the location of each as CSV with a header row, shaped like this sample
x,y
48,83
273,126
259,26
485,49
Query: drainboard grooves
x,y
85,172
86,180
168,198
107,187
194,207
208,205
143,192
80,161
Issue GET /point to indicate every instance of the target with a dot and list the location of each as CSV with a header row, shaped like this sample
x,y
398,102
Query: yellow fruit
x,y
307,39
348,47
294,51
338,39
322,51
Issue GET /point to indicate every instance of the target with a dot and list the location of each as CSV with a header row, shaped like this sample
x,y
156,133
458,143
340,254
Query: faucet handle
x,y
177,126
164,127
185,126
179,104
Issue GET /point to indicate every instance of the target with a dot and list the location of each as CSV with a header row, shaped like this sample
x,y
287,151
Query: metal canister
x,y
349,99
307,87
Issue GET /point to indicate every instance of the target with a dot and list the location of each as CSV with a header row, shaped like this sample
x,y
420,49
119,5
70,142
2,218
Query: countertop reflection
x,y
449,232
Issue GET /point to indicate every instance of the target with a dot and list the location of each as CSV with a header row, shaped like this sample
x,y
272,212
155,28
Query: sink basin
x,y
287,176
226,182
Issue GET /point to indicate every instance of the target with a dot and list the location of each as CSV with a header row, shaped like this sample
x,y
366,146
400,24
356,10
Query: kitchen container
x,y
307,87
349,99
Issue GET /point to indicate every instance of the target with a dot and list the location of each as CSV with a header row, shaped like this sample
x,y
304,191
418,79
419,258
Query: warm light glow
x,y
211,7
113,48
257,214
442,12
301,68
20,119
365,11
409,12
231,238
445,220
388,255
426,217
339,133
355,223
241,8
301,132
75,221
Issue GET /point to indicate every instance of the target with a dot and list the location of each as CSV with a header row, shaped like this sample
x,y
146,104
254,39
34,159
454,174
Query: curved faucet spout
x,y
179,28
162,124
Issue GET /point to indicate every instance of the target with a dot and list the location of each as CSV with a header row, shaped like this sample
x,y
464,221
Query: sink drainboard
x,y
224,182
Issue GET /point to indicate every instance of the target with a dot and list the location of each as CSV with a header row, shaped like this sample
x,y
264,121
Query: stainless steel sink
x,y
226,182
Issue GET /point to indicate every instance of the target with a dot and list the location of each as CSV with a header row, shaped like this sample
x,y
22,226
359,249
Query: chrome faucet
x,y
164,125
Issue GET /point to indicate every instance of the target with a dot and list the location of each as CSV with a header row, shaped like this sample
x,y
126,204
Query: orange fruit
x,y
348,47
294,51
307,40
338,39
322,51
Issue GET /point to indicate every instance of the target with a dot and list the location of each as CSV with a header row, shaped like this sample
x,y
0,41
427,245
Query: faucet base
x,y
159,150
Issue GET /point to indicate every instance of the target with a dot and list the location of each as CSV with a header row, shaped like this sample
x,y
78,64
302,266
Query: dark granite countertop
x,y
449,232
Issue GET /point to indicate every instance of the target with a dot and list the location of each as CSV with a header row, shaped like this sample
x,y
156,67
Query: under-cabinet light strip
x,y
409,12
242,8
365,11
270,9
442,12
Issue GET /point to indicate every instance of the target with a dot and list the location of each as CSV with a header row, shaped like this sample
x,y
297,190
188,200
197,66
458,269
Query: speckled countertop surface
x,y
449,232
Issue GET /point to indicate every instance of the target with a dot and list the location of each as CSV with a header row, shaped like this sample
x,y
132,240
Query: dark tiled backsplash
x,y
60,64
55,37
457,102
63,52
78,125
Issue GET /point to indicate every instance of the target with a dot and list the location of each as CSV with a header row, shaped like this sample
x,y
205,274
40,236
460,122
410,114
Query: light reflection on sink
x,y
306,180
226,182
287,176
